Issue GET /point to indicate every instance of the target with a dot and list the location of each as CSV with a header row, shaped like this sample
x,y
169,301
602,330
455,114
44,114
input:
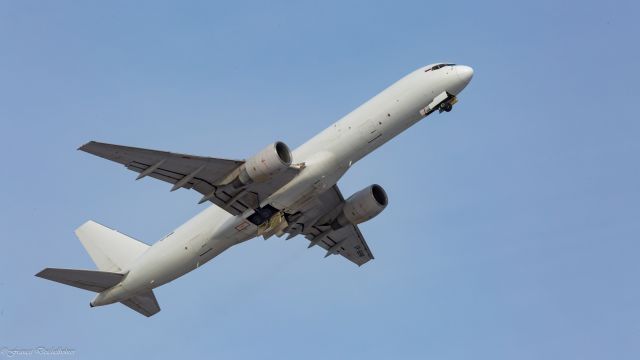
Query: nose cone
x,y
465,73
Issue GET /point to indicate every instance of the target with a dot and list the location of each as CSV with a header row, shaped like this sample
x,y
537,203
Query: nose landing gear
x,y
447,105
443,103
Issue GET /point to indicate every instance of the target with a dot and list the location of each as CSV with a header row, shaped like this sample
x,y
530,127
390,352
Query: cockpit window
x,y
439,66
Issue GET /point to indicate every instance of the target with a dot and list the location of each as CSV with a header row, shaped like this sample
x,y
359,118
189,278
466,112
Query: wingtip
x,y
41,273
84,146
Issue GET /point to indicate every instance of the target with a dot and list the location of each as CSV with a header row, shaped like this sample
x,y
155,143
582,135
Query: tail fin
x,y
111,250
96,281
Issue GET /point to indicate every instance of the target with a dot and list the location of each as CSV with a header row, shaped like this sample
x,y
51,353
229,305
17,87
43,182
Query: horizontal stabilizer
x,y
145,303
96,281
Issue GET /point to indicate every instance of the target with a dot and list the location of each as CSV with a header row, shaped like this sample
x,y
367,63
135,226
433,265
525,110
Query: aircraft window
x,y
439,66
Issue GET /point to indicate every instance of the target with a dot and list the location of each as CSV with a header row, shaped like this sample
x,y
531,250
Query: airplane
x,y
275,192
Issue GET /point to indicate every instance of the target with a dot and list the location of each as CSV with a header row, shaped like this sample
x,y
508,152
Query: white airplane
x,y
275,192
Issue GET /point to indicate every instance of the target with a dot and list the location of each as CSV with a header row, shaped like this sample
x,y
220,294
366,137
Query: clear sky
x,y
512,230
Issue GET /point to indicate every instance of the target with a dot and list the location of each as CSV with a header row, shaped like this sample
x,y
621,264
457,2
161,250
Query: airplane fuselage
x,y
326,158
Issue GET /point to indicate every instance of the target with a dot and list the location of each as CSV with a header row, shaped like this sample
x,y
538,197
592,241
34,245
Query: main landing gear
x,y
446,107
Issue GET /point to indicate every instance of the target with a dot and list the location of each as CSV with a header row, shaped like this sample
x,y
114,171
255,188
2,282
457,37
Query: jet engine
x,y
272,160
362,206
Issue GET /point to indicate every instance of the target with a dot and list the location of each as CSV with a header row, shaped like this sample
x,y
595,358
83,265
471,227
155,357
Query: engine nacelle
x,y
362,206
272,160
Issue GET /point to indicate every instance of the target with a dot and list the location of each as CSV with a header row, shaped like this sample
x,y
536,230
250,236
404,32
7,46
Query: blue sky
x,y
512,229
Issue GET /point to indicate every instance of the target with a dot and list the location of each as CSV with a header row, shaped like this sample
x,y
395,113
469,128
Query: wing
x,y
204,174
314,222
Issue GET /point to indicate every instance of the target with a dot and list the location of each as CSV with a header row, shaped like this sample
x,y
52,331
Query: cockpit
x,y
438,66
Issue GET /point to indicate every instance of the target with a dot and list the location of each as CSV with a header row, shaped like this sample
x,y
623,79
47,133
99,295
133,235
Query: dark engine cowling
x,y
272,160
362,206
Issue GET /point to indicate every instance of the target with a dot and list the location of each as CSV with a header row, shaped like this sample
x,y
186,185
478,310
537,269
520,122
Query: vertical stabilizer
x,y
109,249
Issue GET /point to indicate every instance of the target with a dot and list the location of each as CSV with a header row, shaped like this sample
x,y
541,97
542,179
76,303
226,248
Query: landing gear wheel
x,y
446,107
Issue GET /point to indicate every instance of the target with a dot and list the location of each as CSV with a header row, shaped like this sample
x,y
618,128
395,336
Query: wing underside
x,y
203,174
315,224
